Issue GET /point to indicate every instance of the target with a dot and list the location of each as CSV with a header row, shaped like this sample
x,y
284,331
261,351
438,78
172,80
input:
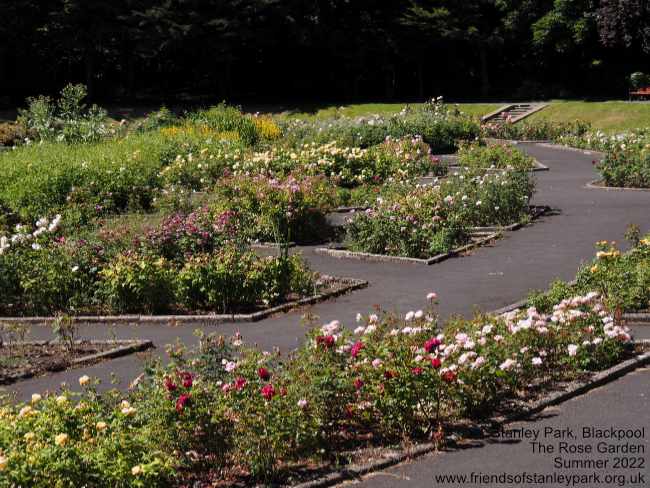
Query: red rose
x,y
449,376
389,374
436,363
327,341
169,384
431,345
264,374
268,391
182,401
186,379
417,371
240,383
358,383
356,348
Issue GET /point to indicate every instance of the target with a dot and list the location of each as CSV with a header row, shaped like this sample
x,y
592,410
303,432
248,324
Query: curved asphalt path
x,y
491,277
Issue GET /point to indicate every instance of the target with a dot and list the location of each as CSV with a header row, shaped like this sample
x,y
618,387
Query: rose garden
x,y
281,299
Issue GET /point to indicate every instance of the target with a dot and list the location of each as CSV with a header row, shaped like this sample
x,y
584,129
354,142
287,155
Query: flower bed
x,y
230,411
494,156
433,219
541,130
21,360
439,125
190,262
623,279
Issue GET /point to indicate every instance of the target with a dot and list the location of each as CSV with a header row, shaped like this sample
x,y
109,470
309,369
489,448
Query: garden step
x,y
513,113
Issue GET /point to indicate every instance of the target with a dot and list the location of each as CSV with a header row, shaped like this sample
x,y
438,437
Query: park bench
x,y
641,93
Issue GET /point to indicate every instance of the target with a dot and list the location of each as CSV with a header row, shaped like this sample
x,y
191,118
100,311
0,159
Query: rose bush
x,y
232,407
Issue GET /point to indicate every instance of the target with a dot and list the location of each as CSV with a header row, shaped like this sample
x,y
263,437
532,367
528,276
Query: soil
x,y
20,361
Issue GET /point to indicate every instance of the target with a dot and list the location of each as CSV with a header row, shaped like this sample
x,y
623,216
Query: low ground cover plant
x,y
494,156
230,412
421,221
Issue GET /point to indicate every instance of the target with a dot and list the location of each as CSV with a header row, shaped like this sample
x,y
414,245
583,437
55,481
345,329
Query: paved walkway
x,y
624,404
489,278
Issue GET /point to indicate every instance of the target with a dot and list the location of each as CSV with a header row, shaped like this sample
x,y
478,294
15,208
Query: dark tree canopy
x,y
273,50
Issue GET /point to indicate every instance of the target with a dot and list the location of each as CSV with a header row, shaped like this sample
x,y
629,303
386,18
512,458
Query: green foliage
x,y
423,221
277,210
230,407
494,156
626,168
68,120
226,118
134,282
230,281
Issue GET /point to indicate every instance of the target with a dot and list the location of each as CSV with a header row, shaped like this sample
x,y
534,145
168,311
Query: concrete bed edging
x,y
123,347
594,185
399,455
350,284
344,253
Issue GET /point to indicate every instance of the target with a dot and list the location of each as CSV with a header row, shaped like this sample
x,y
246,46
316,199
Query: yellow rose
x,y
30,436
84,380
3,463
136,470
26,411
36,398
61,400
128,411
594,268
61,439
101,426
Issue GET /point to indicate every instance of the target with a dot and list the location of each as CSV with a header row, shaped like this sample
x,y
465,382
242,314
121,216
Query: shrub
x,y
224,118
232,280
493,156
234,408
68,120
137,282
622,279
277,210
626,168
163,117
94,179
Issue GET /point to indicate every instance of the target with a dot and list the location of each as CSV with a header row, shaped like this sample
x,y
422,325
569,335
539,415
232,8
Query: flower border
x,y
348,285
396,456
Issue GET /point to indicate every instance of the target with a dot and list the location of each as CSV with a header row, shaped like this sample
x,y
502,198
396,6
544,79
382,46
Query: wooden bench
x,y
641,93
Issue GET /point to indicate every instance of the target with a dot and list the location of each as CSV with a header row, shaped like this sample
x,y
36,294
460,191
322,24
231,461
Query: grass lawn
x,y
611,116
356,110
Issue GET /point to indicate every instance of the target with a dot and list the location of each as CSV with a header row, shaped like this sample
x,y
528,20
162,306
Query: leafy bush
x,y
163,117
277,210
623,279
626,168
224,118
230,280
494,156
137,282
66,120
231,407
